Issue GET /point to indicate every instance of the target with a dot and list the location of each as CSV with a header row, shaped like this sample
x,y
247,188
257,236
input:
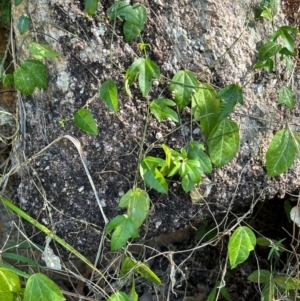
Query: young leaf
x,y
30,75
91,6
281,153
133,296
195,151
124,229
109,93
118,296
160,109
9,281
23,23
187,184
268,50
146,70
40,51
84,119
192,169
223,142
151,175
260,276
183,84
140,268
40,287
137,202
230,95
205,107
287,97
241,243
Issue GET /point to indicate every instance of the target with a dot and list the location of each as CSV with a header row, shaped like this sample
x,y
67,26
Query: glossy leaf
x,y
40,288
281,153
130,264
160,108
137,202
230,95
145,69
124,229
286,97
205,107
183,84
9,282
40,51
91,6
84,119
195,150
223,142
109,93
151,174
241,243
268,50
30,75
118,296
23,23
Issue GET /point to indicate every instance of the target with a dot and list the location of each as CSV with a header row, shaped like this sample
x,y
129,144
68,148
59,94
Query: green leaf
x,y
195,151
17,257
146,70
23,23
281,153
287,97
124,229
132,28
137,202
205,107
241,243
118,296
90,6
223,142
84,119
285,33
268,290
18,2
230,95
286,282
160,109
151,175
121,10
30,75
205,230
109,93
260,276
268,50
130,264
268,65
9,282
187,184
40,51
133,296
8,79
183,84
40,288
14,270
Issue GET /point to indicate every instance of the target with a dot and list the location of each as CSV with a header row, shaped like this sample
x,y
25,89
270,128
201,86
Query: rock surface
x,y
217,40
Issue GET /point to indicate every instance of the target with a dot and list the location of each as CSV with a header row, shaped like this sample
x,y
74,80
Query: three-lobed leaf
x,y
124,228
281,153
84,119
160,108
145,69
109,93
223,142
183,84
241,243
40,288
286,97
30,75
137,202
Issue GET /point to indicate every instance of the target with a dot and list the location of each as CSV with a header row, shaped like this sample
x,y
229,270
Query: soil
x,y
54,188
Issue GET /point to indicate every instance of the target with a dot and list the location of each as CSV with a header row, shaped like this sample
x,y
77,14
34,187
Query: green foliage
x,y
5,15
286,97
23,23
30,75
18,2
213,294
145,69
84,120
119,296
160,108
183,84
130,265
109,93
90,6
281,153
9,284
135,17
40,51
241,243
267,9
